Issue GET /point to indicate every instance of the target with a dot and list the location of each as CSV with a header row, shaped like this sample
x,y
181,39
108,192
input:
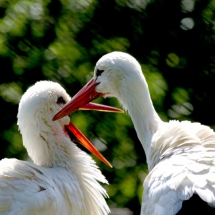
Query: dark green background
x,y
173,40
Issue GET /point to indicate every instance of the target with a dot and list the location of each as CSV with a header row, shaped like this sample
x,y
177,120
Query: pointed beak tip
x,y
54,118
119,111
86,143
108,164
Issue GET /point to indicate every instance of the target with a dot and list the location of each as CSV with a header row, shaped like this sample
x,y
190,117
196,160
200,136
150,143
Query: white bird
x,y
180,155
63,180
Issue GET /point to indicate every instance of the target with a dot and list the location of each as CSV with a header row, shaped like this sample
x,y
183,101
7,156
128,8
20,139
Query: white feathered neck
x,y
46,141
49,146
123,78
180,155
141,110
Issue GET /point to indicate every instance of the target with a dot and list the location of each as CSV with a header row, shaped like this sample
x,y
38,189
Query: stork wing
x,y
186,166
26,188
174,180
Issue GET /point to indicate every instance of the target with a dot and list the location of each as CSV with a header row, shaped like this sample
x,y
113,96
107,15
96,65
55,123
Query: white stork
x,y
180,155
63,180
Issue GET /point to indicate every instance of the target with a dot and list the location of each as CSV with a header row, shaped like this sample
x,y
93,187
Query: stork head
x,y
45,140
114,72
115,75
39,103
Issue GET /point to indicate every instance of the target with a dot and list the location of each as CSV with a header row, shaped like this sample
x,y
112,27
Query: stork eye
x,y
60,100
99,72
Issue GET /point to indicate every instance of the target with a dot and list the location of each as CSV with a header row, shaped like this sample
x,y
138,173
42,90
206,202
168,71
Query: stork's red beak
x,y
81,101
86,143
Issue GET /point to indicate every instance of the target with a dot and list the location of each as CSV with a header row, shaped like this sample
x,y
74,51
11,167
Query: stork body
x,y
180,155
63,180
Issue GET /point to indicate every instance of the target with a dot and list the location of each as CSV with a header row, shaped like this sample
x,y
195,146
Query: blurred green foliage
x,y
62,40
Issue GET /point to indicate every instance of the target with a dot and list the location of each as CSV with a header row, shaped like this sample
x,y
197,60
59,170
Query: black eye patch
x,y
99,72
60,100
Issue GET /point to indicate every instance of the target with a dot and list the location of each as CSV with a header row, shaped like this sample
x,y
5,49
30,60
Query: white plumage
x,y
180,155
63,180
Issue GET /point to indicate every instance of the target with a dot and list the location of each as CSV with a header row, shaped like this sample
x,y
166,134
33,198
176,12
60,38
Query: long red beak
x,y
81,101
86,143
100,107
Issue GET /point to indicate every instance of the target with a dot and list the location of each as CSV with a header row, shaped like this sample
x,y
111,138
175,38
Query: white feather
x,y
180,155
63,180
